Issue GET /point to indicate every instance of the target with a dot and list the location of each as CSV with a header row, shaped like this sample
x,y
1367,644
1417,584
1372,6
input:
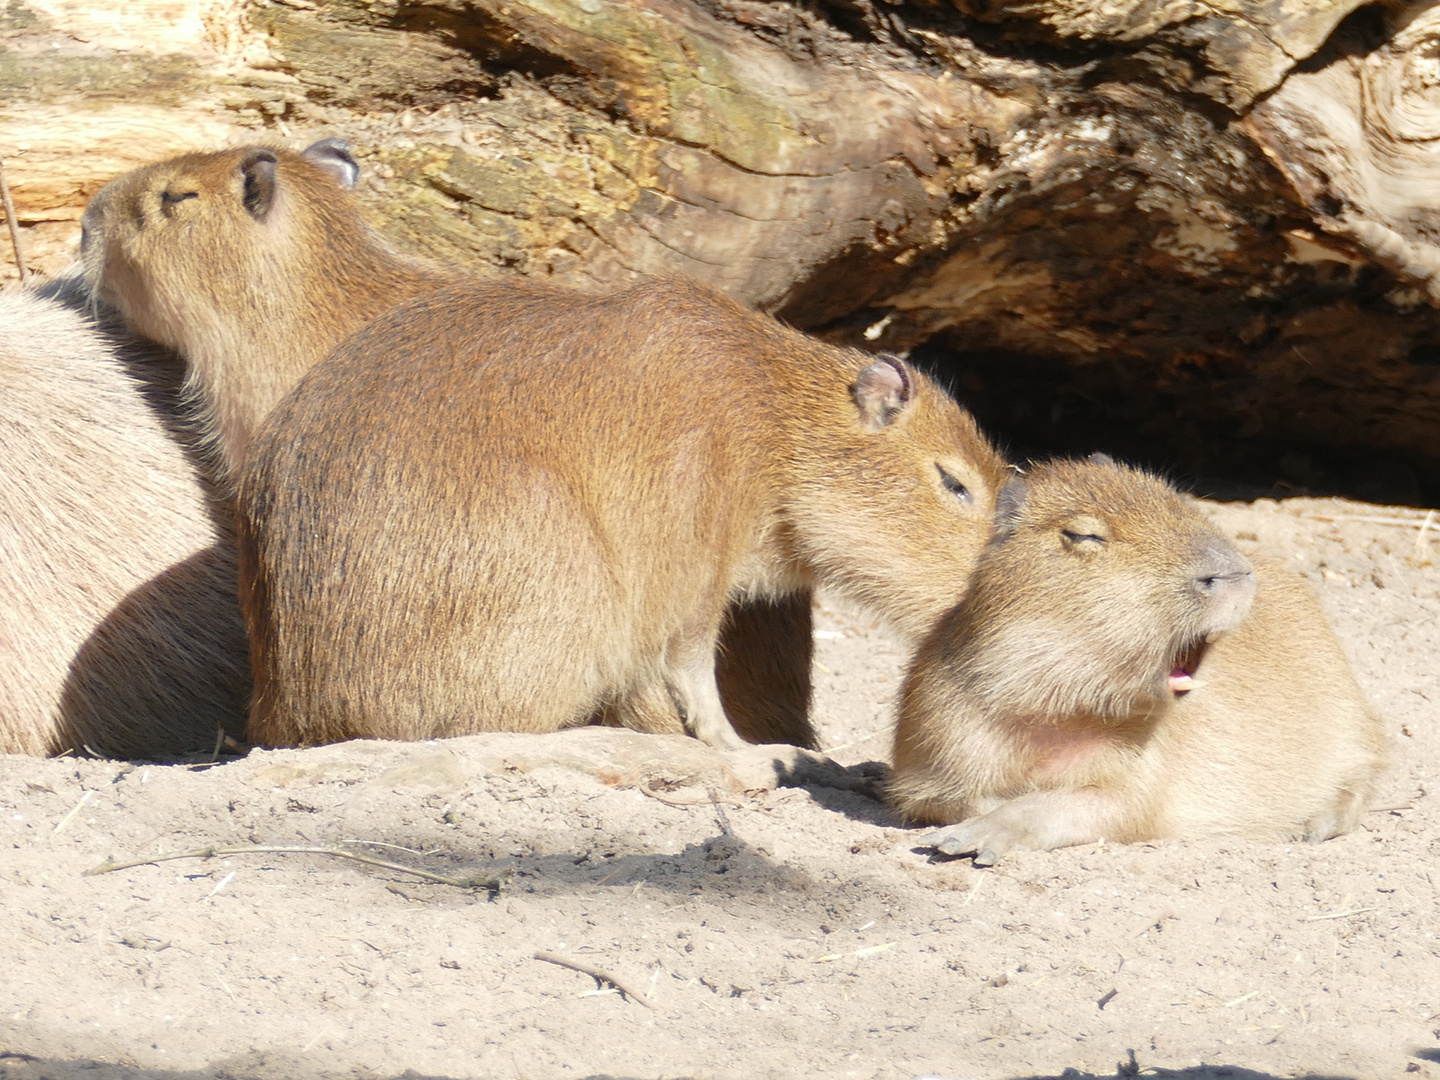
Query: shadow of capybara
x,y
119,626
511,507
1119,671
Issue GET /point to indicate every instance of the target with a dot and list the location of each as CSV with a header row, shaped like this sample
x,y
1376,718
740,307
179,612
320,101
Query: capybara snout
x,y
1225,583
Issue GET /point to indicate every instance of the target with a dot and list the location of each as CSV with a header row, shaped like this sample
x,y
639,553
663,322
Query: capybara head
x,y
253,263
905,501
1099,588
184,247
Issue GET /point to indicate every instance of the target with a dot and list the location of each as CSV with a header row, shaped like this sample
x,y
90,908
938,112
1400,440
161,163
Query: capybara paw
x,y
983,837
1324,826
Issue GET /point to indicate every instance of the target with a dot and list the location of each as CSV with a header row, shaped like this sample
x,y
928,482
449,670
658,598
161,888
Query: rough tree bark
x,y
1212,225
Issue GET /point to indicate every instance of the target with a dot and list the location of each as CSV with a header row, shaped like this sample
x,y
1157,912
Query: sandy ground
x,y
772,931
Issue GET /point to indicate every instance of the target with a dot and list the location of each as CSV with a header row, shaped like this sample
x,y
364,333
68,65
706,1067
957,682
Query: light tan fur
x,y
119,626
252,263
507,507
1049,709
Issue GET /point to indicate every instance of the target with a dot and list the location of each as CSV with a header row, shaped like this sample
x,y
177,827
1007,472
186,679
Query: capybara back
x,y
511,507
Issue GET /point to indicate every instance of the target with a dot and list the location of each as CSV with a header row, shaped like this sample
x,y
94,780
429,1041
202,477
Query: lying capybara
x,y
119,626
255,263
252,263
1118,671
511,507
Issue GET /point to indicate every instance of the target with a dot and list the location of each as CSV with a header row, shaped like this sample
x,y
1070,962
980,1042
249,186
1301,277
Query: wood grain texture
x,y
1225,205
1231,52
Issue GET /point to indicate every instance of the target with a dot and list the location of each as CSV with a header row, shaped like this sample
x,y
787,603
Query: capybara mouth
x,y
1182,672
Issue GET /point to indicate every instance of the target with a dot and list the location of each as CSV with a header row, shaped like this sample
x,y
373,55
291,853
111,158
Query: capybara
x,y
511,507
120,630
1118,671
254,263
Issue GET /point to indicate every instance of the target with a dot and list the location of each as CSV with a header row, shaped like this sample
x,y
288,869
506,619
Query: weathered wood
x,y
1232,52
1089,187
1359,141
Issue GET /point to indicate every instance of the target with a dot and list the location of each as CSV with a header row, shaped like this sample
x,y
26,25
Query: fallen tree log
x,y
1185,230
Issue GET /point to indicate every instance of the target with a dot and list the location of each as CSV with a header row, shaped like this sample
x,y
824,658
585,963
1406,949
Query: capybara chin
x,y
252,263
119,627
510,507
1118,671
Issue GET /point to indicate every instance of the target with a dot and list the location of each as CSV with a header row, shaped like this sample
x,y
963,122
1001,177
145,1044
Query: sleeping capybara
x,y
1119,671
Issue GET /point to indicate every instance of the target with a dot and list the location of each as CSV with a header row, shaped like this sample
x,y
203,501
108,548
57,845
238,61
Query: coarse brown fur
x,y
1050,708
252,263
507,507
119,626
255,263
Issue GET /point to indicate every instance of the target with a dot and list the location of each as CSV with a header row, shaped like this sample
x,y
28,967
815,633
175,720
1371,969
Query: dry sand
x,y
774,931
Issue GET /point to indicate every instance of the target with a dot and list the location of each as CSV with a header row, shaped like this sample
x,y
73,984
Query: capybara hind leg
x,y
1036,822
1339,818
646,707
762,667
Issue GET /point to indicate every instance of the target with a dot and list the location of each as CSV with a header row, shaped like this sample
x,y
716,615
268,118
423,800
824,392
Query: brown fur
x,y
119,627
504,507
254,291
1041,713
252,263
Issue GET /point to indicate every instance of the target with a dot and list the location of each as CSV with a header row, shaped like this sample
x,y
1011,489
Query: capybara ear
x,y
334,155
1099,458
1009,502
884,391
258,169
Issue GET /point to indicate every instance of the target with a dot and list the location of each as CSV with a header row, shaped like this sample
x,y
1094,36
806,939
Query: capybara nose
x,y
1225,581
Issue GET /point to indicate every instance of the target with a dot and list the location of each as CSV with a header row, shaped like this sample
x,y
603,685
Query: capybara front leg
x,y
697,699
1039,821
647,706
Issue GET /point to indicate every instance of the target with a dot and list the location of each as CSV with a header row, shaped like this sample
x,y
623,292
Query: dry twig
x,y
13,225
709,801
74,810
1422,542
829,750
1338,914
598,975
491,883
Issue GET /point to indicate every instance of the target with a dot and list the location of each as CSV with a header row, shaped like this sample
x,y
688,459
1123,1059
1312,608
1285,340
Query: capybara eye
x,y
952,485
168,199
1085,532
1081,538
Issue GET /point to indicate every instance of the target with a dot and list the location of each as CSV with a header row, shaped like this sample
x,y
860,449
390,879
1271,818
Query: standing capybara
x,y
509,507
119,626
1119,671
